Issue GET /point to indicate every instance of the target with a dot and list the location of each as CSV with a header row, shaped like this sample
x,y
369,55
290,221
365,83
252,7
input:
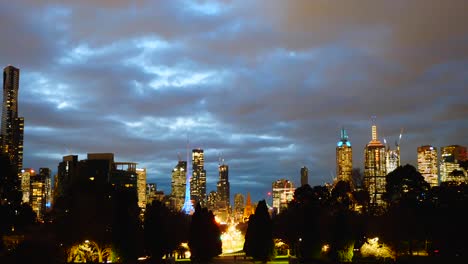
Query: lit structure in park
x,y
283,193
450,169
375,169
12,127
232,240
178,184
90,251
344,158
198,179
427,164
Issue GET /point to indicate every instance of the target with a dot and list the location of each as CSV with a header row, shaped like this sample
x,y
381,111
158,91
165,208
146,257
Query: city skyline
x,y
266,86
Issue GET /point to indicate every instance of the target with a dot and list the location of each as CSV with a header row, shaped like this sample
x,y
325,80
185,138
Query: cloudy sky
x,y
266,85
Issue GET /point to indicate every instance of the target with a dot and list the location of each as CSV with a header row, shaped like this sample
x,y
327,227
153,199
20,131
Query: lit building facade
x,y
141,187
238,209
178,184
375,169
249,209
427,164
26,175
392,159
12,127
304,176
223,188
344,158
38,192
450,170
198,179
282,194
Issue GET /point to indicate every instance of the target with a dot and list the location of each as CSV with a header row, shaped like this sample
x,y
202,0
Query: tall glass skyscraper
x,y
179,182
223,188
304,175
450,170
427,164
12,128
198,179
344,158
375,169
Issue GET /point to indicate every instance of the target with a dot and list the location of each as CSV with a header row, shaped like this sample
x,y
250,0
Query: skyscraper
x,y
344,158
427,164
238,207
282,192
26,176
178,184
141,187
375,169
12,128
392,156
223,188
450,170
38,192
198,180
304,176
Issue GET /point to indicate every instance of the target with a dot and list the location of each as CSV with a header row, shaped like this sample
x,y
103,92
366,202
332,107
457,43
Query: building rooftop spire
x,y
344,138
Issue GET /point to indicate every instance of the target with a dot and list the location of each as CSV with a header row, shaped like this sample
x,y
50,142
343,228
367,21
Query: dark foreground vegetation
x,y
323,224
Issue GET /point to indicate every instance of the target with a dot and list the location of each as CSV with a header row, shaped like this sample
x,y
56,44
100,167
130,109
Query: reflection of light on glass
x,y
232,240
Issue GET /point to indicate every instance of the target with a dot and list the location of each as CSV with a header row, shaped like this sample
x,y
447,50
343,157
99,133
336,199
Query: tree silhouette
x,y
125,224
259,236
163,230
406,195
204,236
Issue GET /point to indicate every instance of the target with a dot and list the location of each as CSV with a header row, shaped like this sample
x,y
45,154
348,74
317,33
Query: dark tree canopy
x,y
204,236
259,237
125,224
164,230
406,185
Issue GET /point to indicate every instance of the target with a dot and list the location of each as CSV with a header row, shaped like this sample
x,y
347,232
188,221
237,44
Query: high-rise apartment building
x,y
178,184
38,192
283,193
450,170
344,158
198,179
223,188
99,168
304,176
375,169
26,175
12,129
392,159
141,187
427,164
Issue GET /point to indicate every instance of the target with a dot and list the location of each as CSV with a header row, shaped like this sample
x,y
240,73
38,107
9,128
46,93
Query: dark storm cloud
x,y
267,85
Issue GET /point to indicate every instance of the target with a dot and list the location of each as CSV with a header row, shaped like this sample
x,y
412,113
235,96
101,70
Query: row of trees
x,y
95,221
416,215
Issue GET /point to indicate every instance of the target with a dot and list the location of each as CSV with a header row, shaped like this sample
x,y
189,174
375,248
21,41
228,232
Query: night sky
x,y
266,85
